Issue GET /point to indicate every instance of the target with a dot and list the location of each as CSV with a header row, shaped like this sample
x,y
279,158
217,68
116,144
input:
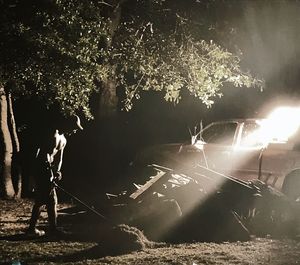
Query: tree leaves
x,y
54,53
150,56
58,50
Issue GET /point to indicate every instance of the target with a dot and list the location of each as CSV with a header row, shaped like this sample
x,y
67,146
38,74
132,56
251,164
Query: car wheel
x,y
291,184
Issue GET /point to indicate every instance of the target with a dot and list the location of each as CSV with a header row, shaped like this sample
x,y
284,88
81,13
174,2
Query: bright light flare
x,y
280,125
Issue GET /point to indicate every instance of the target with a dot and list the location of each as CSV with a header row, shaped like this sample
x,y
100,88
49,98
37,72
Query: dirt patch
x,y
14,219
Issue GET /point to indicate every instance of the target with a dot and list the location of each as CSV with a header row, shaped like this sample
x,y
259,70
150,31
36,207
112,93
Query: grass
x,y
14,247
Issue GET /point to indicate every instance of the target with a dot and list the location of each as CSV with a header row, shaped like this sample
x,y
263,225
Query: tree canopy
x,y
49,49
60,50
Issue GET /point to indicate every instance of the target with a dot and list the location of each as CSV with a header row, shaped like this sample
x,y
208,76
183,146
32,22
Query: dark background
x,y
96,160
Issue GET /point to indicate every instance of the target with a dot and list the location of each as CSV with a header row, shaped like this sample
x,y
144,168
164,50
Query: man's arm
x,y
57,166
56,157
58,160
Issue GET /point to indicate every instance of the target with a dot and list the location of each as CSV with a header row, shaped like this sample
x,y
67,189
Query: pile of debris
x,y
199,204
188,204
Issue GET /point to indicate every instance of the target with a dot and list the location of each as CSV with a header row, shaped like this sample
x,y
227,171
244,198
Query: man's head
x,y
77,124
70,125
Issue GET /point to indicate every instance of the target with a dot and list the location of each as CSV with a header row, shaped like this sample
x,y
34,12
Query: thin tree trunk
x,y
108,99
108,103
7,150
16,166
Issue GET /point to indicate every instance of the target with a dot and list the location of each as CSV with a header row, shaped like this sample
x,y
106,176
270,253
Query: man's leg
x,y
35,214
52,210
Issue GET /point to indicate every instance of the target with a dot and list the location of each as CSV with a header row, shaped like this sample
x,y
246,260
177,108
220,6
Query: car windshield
x,y
219,133
251,135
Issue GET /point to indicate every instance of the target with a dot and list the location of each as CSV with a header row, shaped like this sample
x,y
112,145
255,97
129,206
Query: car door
x,y
218,140
247,153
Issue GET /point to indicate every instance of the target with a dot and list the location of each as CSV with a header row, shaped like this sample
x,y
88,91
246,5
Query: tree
x,y
63,51
7,149
49,50
162,51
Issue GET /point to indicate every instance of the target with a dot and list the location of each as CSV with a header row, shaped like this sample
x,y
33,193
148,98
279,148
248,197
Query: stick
x,y
81,202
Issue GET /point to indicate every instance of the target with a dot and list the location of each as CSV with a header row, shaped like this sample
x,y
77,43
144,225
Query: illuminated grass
x,y
38,251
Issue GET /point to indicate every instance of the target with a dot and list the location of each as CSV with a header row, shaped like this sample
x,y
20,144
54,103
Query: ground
x,y
17,249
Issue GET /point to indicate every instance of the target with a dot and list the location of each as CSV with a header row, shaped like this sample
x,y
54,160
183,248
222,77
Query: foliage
x,y
50,50
59,50
164,55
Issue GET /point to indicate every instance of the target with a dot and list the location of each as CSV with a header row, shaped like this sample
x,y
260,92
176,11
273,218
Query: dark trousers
x,y
48,199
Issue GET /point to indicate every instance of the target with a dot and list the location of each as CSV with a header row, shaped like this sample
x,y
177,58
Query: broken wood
x,y
150,185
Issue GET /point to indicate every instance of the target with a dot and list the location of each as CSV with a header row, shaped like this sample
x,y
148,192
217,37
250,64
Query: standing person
x,y
49,160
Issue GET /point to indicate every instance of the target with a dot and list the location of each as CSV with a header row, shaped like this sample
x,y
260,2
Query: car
x,y
245,149
239,148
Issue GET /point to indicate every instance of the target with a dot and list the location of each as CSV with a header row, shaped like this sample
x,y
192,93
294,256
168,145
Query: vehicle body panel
x,y
247,157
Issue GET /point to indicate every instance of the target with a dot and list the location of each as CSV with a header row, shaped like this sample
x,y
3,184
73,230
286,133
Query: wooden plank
x,y
217,176
199,174
150,184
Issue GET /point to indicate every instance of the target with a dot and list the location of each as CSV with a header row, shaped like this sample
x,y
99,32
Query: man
x,y
49,160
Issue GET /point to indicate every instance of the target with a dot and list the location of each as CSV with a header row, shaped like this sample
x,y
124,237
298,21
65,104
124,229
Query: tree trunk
x,y
16,166
6,150
108,103
108,100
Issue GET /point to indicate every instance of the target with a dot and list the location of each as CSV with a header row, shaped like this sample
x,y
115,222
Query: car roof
x,y
239,120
